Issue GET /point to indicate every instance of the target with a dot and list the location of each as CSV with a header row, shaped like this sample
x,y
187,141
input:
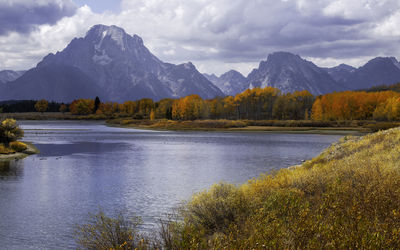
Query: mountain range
x,y
109,63
289,73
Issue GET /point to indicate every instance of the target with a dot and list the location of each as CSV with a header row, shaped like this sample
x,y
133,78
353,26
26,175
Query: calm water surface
x,y
85,166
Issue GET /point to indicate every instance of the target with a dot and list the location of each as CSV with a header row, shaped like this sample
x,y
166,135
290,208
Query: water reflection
x,y
10,169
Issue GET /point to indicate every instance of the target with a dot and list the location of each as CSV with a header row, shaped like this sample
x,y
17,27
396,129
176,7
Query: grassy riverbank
x,y
298,126
209,125
348,197
288,126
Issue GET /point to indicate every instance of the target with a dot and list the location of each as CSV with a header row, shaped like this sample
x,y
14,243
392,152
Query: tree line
x,y
257,104
26,106
357,105
252,104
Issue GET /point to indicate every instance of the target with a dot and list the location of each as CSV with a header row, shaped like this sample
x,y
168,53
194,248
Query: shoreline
x,y
51,116
31,150
255,129
353,127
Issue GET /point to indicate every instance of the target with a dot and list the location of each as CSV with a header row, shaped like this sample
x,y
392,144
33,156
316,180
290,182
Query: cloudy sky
x,y
216,35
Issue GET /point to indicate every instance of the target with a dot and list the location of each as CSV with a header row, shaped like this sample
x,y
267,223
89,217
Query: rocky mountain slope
x,y
9,75
53,83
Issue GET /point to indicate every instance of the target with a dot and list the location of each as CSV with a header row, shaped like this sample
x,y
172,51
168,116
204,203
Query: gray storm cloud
x,y
22,16
242,30
215,34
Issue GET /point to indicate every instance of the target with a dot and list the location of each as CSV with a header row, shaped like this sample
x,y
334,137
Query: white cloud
x,y
219,34
389,27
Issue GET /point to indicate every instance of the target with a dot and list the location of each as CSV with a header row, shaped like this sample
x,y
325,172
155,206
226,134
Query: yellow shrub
x,y
18,146
4,150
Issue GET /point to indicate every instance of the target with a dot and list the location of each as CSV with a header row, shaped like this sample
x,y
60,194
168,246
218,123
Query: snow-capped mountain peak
x,y
100,32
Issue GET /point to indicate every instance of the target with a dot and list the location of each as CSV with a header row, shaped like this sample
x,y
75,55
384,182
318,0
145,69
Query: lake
x,y
87,166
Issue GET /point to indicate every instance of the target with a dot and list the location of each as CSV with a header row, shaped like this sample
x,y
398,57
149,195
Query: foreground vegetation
x,y
348,197
10,148
9,134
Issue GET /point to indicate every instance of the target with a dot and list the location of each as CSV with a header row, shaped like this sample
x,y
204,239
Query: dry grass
x,y
348,197
103,232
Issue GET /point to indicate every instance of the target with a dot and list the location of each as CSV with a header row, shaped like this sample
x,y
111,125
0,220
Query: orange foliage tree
x,y
257,104
354,105
82,107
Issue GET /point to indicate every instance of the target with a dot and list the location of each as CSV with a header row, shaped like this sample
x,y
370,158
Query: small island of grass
x,y
10,147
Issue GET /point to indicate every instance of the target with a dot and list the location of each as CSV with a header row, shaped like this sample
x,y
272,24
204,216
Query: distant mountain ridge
x,y
111,64
378,71
231,82
289,72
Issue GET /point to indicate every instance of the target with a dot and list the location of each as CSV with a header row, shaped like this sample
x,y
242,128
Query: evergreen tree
x,y
96,104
